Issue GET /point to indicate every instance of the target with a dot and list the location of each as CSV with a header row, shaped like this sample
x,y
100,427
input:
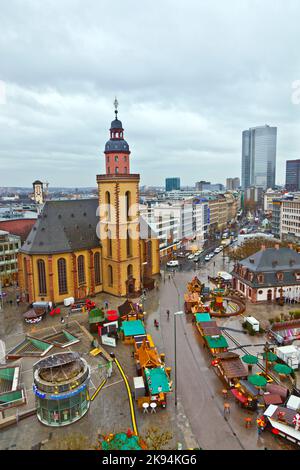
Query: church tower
x,y
119,228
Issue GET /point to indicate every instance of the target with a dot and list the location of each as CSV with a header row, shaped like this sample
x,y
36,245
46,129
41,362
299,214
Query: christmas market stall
x,y
192,302
229,367
246,393
130,329
283,422
130,311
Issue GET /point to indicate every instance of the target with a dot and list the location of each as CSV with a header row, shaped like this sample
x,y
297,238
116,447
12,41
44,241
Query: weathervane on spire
x,y
116,104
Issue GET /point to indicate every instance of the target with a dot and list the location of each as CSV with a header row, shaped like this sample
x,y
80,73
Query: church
x,y
80,248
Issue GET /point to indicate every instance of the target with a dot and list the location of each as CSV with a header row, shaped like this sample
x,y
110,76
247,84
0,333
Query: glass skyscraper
x,y
259,157
292,178
172,184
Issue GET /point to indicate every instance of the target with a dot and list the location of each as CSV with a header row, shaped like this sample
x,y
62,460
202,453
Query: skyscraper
x,y
259,157
292,176
172,184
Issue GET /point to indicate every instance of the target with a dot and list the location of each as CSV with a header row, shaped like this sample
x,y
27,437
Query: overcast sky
x,y
189,77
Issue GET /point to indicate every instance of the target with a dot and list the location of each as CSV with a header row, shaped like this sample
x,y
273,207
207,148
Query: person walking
x,y
106,304
168,314
226,410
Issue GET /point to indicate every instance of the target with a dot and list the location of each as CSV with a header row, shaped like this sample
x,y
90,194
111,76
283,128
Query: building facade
x,y
292,175
172,184
269,275
9,248
259,157
232,184
82,247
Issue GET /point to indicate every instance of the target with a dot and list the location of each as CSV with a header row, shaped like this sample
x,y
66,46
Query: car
x,y
207,258
217,250
196,259
191,256
221,247
172,264
181,255
211,255
198,253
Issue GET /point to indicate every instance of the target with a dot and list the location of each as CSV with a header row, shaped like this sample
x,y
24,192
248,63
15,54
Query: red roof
x,y
238,395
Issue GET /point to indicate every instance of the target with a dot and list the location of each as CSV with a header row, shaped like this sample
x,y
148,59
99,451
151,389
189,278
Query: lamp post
x,y
175,354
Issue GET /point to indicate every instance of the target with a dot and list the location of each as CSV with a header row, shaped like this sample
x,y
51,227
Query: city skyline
x,y
183,115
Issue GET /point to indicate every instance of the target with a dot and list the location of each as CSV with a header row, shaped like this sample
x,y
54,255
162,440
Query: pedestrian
x,y
62,320
226,410
168,314
106,304
169,277
18,301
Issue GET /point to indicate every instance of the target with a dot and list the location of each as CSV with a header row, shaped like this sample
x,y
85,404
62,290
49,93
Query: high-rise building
x,y
232,184
259,157
292,176
172,184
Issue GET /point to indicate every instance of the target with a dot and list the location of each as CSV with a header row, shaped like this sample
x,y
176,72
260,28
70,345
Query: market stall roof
x,y
239,395
272,412
234,368
203,317
215,343
96,315
34,313
211,331
147,356
191,297
272,399
133,328
249,387
278,389
157,380
126,308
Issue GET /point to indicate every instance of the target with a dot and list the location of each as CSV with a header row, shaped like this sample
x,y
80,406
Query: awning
x,y
238,395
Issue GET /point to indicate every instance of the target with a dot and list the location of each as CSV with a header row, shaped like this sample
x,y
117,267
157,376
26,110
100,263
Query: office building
x,y
232,184
292,177
172,184
259,157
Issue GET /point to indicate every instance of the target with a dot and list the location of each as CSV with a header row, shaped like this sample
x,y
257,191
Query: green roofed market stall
x,y
202,317
216,344
132,328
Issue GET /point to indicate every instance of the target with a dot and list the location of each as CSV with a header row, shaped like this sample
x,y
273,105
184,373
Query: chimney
x,y
263,247
277,246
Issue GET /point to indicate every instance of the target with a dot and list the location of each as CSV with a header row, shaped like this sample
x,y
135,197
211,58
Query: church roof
x,y
117,145
64,226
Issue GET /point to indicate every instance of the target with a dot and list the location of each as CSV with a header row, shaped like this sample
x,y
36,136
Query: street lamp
x,y
175,383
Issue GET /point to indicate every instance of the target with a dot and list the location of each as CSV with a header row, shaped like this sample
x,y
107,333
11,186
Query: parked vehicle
x,y
217,250
172,264
196,259
211,255
181,255
191,256
207,258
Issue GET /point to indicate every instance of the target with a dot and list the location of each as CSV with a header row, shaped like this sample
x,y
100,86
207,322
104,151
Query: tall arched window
x,y
97,268
110,276
117,170
127,204
42,277
109,243
107,203
81,270
62,276
128,244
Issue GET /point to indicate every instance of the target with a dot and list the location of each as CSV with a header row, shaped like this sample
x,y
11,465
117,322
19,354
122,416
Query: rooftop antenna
x,y
116,104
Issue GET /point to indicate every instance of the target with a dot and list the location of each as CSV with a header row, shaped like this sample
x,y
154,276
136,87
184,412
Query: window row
x,y
62,273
